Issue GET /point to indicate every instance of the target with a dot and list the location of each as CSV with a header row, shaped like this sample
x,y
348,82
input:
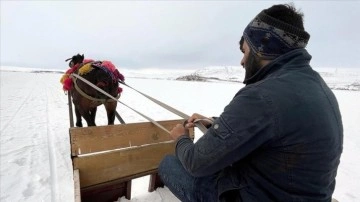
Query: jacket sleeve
x,y
246,123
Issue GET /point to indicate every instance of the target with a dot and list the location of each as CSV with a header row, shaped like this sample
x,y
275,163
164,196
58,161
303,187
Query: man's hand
x,y
198,118
178,131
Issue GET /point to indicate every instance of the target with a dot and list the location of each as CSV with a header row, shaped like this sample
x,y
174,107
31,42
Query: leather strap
x,y
88,96
171,109
110,96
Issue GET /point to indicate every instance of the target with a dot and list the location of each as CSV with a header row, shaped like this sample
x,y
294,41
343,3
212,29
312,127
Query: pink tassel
x,y
108,65
120,90
87,60
119,75
67,84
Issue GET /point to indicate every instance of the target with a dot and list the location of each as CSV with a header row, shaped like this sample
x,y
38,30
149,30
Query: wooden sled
x,y
106,158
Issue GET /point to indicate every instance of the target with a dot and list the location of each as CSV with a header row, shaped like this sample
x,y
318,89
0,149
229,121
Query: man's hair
x,y
287,13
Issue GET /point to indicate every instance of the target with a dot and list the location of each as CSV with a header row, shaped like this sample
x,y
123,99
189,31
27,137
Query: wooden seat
x,y
106,158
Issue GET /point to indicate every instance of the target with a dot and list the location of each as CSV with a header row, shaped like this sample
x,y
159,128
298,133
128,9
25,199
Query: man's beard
x,y
252,66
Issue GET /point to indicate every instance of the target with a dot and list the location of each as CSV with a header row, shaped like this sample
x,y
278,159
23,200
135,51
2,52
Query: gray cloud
x,y
174,34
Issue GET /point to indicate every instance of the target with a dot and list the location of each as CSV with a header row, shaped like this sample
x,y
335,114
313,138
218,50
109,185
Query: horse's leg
x,y
87,115
110,110
93,115
89,120
78,117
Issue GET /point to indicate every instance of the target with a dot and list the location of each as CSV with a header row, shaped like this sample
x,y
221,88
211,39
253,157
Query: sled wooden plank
x,y
77,186
94,139
104,167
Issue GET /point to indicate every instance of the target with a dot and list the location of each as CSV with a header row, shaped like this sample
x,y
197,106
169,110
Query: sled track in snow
x,y
51,147
16,113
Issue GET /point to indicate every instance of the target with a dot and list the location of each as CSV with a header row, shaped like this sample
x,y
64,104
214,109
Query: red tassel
x,y
67,84
120,90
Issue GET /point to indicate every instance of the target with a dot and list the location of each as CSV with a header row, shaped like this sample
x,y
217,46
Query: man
x,y
279,139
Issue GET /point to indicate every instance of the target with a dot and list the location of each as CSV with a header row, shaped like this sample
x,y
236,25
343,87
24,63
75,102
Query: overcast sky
x,y
163,34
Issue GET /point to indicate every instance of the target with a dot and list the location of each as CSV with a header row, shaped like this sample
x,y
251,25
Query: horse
x,y
85,98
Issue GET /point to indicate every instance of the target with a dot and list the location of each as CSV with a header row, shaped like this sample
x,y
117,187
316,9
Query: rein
x,y
88,96
171,109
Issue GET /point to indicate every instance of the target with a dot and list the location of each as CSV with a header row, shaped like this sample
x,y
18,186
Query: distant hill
x,y
336,78
216,73
27,69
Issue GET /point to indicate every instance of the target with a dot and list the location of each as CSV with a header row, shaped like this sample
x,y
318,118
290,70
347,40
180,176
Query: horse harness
x,y
88,96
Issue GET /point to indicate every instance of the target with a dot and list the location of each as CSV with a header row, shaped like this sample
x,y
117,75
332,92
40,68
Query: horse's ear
x,y
82,57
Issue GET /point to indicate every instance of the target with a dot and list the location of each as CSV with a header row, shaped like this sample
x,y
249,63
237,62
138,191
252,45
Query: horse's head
x,y
76,59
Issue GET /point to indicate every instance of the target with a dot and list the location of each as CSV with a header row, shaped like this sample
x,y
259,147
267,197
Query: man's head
x,y
273,32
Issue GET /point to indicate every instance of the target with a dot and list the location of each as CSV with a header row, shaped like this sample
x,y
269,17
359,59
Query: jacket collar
x,y
298,58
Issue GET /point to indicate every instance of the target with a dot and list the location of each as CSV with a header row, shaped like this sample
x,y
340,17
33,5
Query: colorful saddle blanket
x,y
86,67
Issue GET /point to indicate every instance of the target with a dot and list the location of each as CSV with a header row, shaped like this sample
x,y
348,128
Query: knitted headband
x,y
269,37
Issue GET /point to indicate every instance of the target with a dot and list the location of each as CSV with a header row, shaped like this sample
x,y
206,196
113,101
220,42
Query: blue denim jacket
x,y
279,139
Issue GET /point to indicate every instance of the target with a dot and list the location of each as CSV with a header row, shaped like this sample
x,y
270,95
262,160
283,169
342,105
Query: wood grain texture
x,y
104,167
101,138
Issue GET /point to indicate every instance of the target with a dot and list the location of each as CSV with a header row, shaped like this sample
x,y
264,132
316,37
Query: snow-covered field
x,y
35,152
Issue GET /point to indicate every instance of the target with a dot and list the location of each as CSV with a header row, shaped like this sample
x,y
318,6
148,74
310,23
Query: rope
x,y
110,96
88,96
171,109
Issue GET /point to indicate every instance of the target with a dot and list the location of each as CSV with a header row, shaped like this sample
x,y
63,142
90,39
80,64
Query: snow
x,y
35,151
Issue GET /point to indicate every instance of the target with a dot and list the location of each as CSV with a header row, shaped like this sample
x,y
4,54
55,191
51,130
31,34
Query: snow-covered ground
x,y
35,152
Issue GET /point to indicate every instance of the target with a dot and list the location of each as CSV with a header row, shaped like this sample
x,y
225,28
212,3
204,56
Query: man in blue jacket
x,y
279,139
